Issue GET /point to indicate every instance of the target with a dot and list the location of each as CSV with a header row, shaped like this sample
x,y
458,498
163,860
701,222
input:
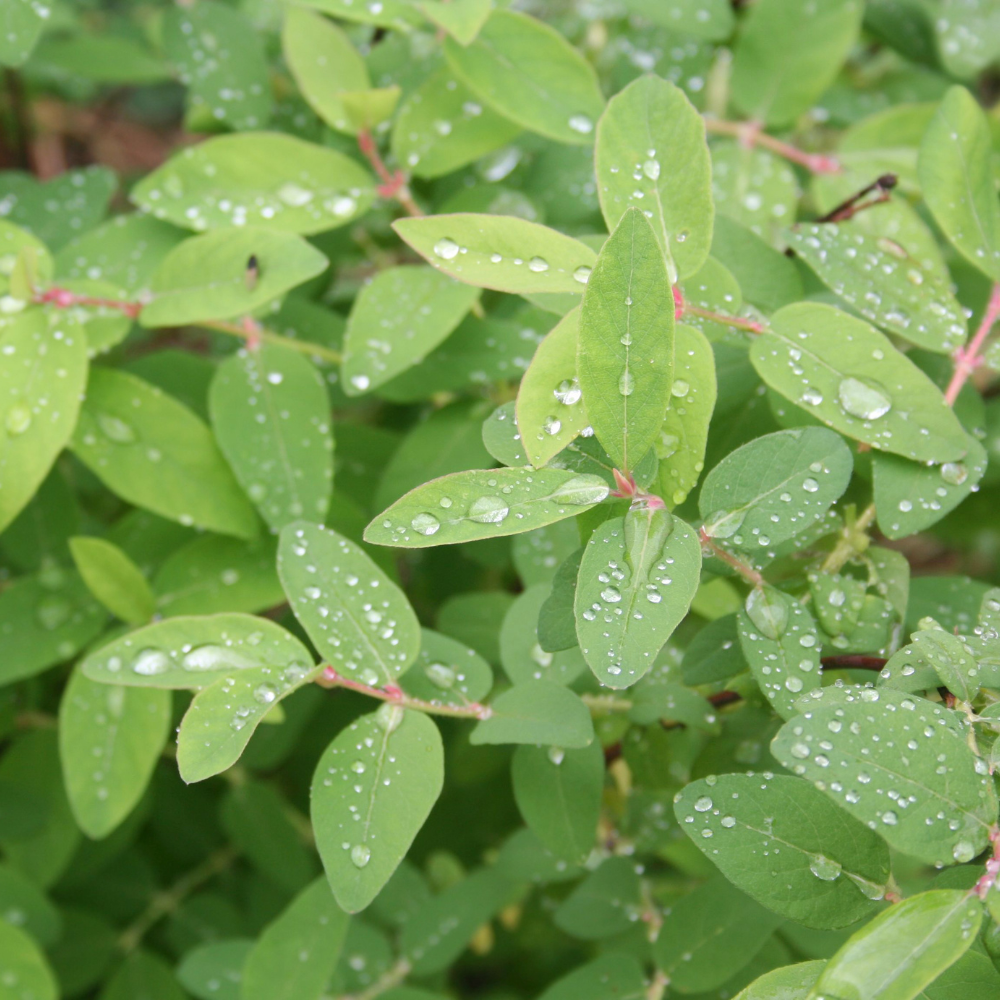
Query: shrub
x,y
542,518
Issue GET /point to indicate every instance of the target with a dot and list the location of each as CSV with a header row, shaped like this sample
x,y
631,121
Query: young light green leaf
x,y
271,417
396,14
789,53
466,506
625,347
686,950
558,792
903,949
828,868
195,652
154,452
399,317
529,73
775,487
651,154
879,278
21,24
550,412
521,654
910,496
502,437
42,378
462,19
502,252
684,432
920,787
541,712
331,74
296,954
223,716
471,130
24,970
956,178
371,792
357,618
447,672
850,376
110,739
45,618
792,982
263,179
780,641
637,579
113,579
206,277
615,976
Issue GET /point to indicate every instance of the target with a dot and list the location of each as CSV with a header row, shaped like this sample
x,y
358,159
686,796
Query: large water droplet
x,y
294,195
581,124
954,473
150,662
768,610
582,489
864,400
724,523
568,392
556,755
440,676
115,429
703,804
360,855
680,388
626,384
18,419
552,425
963,851
611,594
266,694
538,265
651,168
825,868
446,249
425,524
213,657
389,716
489,510
582,274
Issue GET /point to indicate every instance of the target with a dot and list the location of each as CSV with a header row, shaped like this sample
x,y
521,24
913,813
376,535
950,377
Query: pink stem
x,y
62,298
968,358
751,134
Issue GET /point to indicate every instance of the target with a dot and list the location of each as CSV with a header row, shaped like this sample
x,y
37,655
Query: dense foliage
x,y
499,498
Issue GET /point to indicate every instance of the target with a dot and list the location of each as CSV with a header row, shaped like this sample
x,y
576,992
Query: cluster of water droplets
x,y
754,187
448,250
782,646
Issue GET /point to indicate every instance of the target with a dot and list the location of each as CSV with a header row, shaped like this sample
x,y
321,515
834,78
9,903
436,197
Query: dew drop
x,y
864,400
626,384
825,868
115,429
425,524
489,510
150,662
582,274
703,804
556,755
446,249
440,676
538,265
568,392
18,419
581,124
954,473
360,855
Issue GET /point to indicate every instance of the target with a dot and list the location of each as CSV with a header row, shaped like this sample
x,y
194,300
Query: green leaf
x,y
110,739
296,954
709,19
470,130
879,278
606,903
625,348
192,653
903,949
910,496
24,971
538,554
466,506
930,801
357,618
248,180
223,716
113,579
399,317
330,72
502,438
462,19
849,375
397,14
216,574
956,178
688,949
214,971
793,982
550,413
651,154
684,432
447,671
637,579
154,452
24,905
615,976
42,378
521,654
781,642
766,277
501,252
21,25
529,73
789,53
775,487
372,791
972,977
209,276
714,654
537,712
658,701
270,414
45,618
558,792
220,56
827,867
968,36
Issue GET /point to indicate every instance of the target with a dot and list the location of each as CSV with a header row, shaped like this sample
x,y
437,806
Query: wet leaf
x,y
23,24
521,654
113,579
606,903
614,976
24,970
537,712
785,844
447,671
372,790
637,579
625,345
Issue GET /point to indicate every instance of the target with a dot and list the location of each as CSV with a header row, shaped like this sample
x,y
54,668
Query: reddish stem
x,y
736,321
744,569
853,662
989,877
394,185
751,134
62,298
968,358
